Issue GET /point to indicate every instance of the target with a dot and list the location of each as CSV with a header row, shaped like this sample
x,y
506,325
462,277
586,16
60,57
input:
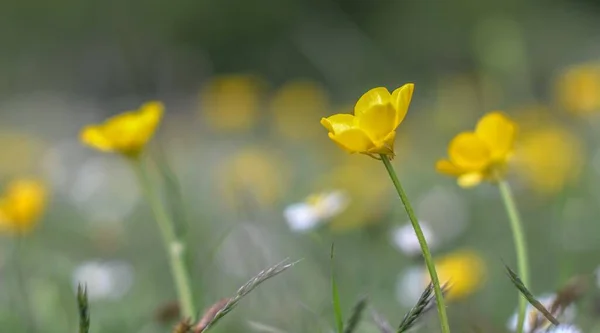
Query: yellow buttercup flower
x,y
372,128
20,153
126,133
463,270
578,88
253,176
21,205
549,158
481,154
295,106
232,102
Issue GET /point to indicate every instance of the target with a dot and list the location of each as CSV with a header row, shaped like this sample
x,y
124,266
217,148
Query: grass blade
x,y
356,315
335,298
221,310
424,304
84,310
514,278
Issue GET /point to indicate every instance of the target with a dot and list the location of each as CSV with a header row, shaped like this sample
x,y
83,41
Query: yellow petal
x,y
386,146
498,132
338,122
470,179
446,167
353,140
377,121
467,151
129,132
22,204
150,116
152,111
389,141
464,269
375,96
401,98
93,137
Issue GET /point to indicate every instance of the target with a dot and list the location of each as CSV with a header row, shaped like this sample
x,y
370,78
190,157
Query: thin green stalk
x,y
23,291
439,297
335,298
175,247
520,246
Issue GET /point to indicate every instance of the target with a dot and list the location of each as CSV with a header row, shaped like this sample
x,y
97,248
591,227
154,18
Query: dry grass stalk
x,y
572,291
244,290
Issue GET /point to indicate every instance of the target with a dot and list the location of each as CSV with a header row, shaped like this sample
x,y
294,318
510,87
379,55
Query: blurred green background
x,y
245,84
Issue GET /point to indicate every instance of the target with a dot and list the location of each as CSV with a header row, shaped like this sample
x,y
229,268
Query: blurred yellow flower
x,y
20,153
578,88
549,158
21,205
463,270
253,176
295,106
126,133
231,102
372,128
481,154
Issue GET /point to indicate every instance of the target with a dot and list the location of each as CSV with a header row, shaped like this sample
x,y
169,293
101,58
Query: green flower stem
x,y
175,247
520,246
28,311
439,297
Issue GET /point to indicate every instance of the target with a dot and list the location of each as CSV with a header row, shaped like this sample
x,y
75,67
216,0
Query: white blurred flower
x,y
316,209
564,329
108,280
532,315
409,285
405,239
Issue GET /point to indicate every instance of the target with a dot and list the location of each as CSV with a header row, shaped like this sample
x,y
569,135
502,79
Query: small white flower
x,y
564,329
405,239
104,280
410,285
316,209
532,315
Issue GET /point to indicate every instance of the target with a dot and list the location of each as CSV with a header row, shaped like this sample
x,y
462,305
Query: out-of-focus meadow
x,y
241,158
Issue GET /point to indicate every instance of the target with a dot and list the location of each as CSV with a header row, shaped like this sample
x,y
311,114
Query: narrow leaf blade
x,y
84,310
514,278
335,298
356,315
